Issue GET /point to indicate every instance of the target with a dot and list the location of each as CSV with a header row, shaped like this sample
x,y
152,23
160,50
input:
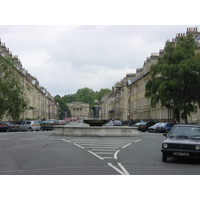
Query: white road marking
x,y
104,152
126,145
97,145
96,155
115,155
66,140
123,168
122,171
137,140
103,149
108,157
92,147
79,146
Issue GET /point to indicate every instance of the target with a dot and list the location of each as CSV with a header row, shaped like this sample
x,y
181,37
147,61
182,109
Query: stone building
x,y
114,104
79,110
41,102
132,104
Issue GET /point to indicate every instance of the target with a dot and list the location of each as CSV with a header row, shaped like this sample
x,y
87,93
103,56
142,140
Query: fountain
x,y
93,127
95,120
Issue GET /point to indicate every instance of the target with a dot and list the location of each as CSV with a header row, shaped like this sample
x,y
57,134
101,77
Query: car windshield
x,y
161,124
143,123
184,132
158,124
48,121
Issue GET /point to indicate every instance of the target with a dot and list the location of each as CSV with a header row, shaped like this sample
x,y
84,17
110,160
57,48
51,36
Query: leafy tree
x,y
85,95
100,94
12,96
64,108
175,80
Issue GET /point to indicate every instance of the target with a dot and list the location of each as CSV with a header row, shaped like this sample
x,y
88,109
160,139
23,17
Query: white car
x,y
30,125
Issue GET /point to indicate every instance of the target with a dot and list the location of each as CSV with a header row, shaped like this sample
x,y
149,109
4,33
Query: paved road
x,y
43,154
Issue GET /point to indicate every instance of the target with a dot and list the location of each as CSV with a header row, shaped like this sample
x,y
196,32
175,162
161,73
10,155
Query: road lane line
x,y
104,152
126,145
123,169
118,170
103,149
93,147
137,140
79,146
115,155
108,157
96,155
67,140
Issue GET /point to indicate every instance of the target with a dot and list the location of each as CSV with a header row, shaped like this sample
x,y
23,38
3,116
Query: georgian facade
x,y
79,110
41,102
130,103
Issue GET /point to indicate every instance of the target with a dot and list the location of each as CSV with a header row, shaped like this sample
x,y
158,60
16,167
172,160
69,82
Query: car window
x,y
183,132
28,123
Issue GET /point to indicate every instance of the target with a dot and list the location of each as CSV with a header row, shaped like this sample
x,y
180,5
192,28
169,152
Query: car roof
x,y
184,125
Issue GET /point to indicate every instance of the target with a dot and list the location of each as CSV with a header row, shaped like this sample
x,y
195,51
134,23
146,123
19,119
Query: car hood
x,y
182,141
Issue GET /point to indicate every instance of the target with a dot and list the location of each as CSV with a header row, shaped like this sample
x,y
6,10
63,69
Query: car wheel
x,y
30,129
164,158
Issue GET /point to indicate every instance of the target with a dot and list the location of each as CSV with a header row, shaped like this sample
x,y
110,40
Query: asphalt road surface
x,y
40,153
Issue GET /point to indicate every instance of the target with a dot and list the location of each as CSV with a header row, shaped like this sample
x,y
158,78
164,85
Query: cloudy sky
x,y
67,58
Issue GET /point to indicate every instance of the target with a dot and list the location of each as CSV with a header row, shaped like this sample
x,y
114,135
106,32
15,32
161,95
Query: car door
x,y
21,126
27,125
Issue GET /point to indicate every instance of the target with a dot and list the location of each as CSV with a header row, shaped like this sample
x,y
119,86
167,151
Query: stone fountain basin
x,y
84,130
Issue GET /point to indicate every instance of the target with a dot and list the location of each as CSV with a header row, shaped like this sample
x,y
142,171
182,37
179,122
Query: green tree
x,y
85,95
175,79
63,108
100,94
12,96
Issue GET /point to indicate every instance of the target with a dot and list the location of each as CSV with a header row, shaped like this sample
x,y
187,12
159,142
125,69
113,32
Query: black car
x,y
4,127
182,141
153,128
14,127
144,126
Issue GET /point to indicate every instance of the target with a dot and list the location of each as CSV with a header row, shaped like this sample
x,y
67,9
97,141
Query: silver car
x,y
30,125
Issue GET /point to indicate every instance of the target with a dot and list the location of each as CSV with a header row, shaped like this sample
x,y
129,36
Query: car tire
x,y
164,158
30,129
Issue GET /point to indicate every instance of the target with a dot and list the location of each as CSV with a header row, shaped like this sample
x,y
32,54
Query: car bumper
x,y
180,153
47,127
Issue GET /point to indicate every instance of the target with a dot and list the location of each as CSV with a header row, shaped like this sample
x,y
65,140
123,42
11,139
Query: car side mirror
x,y
165,134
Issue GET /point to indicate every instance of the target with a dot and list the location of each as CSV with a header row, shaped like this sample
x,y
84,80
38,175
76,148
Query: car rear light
x,y
33,124
53,124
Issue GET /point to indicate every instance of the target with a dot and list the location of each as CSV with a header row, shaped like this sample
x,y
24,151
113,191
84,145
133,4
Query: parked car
x,y
164,127
5,127
144,126
30,125
182,141
137,124
153,128
114,123
110,123
48,125
14,127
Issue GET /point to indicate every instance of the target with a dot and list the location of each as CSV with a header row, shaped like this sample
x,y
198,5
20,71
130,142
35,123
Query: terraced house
x,y
41,102
127,99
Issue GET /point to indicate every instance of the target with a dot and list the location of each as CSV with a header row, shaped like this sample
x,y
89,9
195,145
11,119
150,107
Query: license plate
x,y
47,124
180,154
